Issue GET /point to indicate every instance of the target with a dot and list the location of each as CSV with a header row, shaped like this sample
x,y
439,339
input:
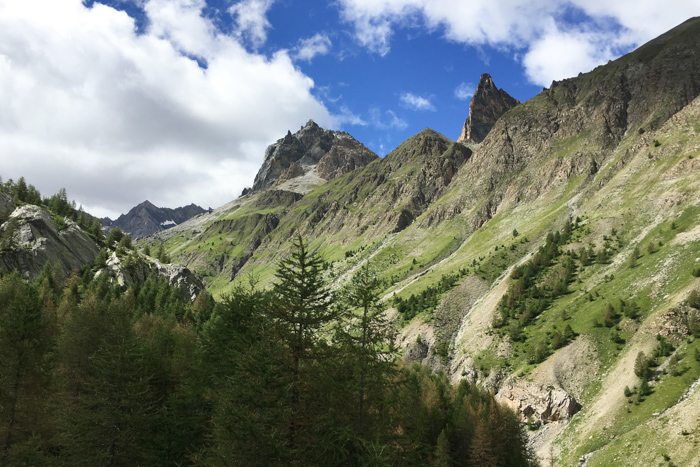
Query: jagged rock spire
x,y
487,105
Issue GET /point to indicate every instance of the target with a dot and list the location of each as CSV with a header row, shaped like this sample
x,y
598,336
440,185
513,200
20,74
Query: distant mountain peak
x,y
146,218
487,105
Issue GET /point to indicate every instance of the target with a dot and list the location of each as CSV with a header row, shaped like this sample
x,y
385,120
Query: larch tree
x,y
300,311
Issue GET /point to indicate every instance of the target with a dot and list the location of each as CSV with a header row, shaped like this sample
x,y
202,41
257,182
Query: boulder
x,y
538,404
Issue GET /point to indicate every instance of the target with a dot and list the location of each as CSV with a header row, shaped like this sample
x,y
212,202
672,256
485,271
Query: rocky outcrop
x,y
487,105
345,155
536,404
335,152
147,219
6,206
38,240
294,170
136,271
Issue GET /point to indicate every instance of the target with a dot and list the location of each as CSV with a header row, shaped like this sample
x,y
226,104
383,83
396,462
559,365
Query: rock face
x,y
334,152
538,404
147,219
487,106
37,240
137,272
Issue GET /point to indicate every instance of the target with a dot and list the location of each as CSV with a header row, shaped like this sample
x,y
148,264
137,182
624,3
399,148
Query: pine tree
x,y
26,341
442,451
633,257
641,366
361,370
21,190
109,417
246,363
300,311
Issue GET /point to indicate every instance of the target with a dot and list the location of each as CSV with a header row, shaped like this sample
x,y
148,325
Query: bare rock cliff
x,y
37,240
487,106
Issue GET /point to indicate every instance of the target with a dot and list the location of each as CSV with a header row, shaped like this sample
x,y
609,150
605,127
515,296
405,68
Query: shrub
x,y
694,299
641,366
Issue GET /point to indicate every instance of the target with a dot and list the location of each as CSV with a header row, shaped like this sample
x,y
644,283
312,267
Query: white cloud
x,y
558,55
387,120
413,102
616,26
118,118
465,91
347,116
251,20
307,49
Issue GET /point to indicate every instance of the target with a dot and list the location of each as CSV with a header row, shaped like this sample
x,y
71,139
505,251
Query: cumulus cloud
x,y
250,17
465,91
118,117
558,54
309,48
603,29
413,102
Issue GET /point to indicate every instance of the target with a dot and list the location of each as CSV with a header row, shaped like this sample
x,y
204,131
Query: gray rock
x,y
544,405
136,271
334,152
487,105
38,241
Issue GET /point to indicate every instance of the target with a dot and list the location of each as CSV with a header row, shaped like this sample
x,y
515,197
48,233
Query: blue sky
x,y
175,101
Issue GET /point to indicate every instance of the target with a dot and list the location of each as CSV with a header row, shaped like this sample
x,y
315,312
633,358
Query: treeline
x,y
58,204
293,375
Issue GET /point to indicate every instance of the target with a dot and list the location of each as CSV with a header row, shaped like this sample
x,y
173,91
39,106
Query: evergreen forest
x,y
295,374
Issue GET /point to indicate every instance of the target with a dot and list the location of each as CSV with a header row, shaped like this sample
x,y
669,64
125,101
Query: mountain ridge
x,y
146,219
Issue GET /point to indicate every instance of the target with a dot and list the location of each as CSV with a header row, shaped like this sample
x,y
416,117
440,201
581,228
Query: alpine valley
x,y
550,256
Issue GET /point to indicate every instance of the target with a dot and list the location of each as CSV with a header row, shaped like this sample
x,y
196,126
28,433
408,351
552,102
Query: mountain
x,y
147,219
552,256
486,107
590,190
313,151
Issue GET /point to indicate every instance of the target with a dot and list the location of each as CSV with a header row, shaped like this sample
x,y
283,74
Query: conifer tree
x,y
250,393
300,311
26,341
110,417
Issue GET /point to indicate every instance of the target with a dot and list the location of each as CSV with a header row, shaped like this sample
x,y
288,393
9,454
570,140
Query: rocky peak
x,y
334,152
147,219
487,105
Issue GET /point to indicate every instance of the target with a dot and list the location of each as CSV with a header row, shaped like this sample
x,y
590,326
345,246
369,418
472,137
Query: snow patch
x,y
171,222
